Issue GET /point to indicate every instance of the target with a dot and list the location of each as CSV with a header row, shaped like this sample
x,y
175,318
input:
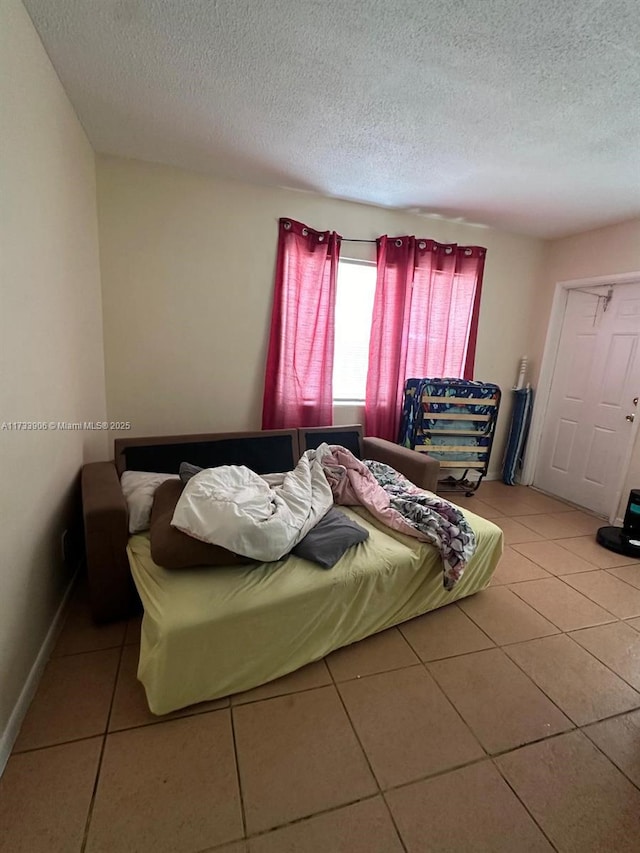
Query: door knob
x,y
631,418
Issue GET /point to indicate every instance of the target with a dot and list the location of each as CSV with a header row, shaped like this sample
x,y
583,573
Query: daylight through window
x,y
354,309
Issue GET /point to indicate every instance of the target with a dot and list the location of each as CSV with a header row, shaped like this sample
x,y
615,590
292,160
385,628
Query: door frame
x,y
547,369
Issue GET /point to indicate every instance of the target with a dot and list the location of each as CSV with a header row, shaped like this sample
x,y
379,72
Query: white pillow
x,y
139,487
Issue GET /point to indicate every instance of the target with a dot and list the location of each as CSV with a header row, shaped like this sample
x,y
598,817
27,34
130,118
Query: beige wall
x,y
602,252
50,336
187,270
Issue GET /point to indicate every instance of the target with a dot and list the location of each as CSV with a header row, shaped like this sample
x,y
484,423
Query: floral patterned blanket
x,y
395,501
441,523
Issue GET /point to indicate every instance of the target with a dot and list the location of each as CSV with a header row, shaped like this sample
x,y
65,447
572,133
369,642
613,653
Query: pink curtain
x,y
298,382
425,320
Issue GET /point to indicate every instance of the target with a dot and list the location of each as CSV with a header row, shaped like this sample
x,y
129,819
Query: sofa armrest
x,y
420,468
112,594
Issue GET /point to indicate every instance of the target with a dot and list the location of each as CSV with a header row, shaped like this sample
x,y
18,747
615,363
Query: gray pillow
x,y
330,538
187,471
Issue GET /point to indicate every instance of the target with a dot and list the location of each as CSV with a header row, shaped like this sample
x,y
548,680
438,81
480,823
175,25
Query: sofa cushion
x,y
187,471
173,549
139,488
330,538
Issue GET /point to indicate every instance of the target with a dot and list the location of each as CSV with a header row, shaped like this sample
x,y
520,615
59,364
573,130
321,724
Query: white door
x,y
592,412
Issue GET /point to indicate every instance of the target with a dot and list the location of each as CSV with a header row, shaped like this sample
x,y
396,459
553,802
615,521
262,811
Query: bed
x,y
211,632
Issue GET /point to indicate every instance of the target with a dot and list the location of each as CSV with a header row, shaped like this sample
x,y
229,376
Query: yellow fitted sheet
x,y
210,632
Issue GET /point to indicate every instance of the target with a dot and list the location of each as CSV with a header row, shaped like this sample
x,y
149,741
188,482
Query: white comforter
x,y
258,517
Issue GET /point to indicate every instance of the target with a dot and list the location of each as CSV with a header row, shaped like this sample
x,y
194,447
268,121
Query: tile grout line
x,y
610,571
501,647
243,816
571,505
147,725
426,778
518,519
603,663
460,610
331,808
81,652
592,566
608,757
520,800
482,630
169,719
601,606
306,690
86,652
456,711
418,662
504,514
87,825
501,752
614,618
262,832
537,686
549,575
197,713
288,692
398,628
366,758
491,757
584,536
495,642
582,731
542,690
631,586
56,743
337,681
487,755
577,728
429,776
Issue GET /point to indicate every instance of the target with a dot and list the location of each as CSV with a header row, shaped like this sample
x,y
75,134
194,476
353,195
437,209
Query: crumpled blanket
x,y
264,517
258,517
395,501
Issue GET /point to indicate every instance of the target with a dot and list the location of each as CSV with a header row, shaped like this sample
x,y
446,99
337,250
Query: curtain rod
x,y
354,240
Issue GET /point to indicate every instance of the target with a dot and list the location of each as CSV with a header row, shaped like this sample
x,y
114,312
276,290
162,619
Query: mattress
x,y
211,632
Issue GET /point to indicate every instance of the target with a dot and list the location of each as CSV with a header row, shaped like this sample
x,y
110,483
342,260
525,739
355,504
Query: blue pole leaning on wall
x,y
519,431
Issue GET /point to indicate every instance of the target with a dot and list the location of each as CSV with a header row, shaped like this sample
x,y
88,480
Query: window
x,y
322,332
354,309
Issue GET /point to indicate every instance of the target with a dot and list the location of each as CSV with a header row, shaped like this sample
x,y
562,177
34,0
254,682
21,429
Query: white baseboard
x,y
9,735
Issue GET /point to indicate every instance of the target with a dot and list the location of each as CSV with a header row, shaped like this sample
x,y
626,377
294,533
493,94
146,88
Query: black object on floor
x,y
626,539
615,539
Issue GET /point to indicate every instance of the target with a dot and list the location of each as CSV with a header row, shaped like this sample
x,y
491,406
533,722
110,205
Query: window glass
x,y
354,309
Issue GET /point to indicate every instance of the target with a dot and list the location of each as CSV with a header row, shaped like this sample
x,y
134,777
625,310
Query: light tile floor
x,y
507,722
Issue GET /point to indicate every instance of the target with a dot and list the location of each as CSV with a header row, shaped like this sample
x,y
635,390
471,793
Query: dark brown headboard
x,y
265,451
349,436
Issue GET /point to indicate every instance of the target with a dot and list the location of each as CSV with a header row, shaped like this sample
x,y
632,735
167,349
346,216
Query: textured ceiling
x,y
518,114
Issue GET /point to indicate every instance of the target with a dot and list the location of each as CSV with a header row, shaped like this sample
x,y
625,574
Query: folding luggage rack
x,y
453,420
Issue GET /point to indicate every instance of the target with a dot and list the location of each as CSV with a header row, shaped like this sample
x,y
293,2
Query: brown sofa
x,y
111,590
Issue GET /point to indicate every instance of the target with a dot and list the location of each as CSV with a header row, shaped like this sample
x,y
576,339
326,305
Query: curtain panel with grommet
x,y
298,389
425,321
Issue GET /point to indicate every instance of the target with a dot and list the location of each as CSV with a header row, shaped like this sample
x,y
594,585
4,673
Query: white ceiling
x,y
522,114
